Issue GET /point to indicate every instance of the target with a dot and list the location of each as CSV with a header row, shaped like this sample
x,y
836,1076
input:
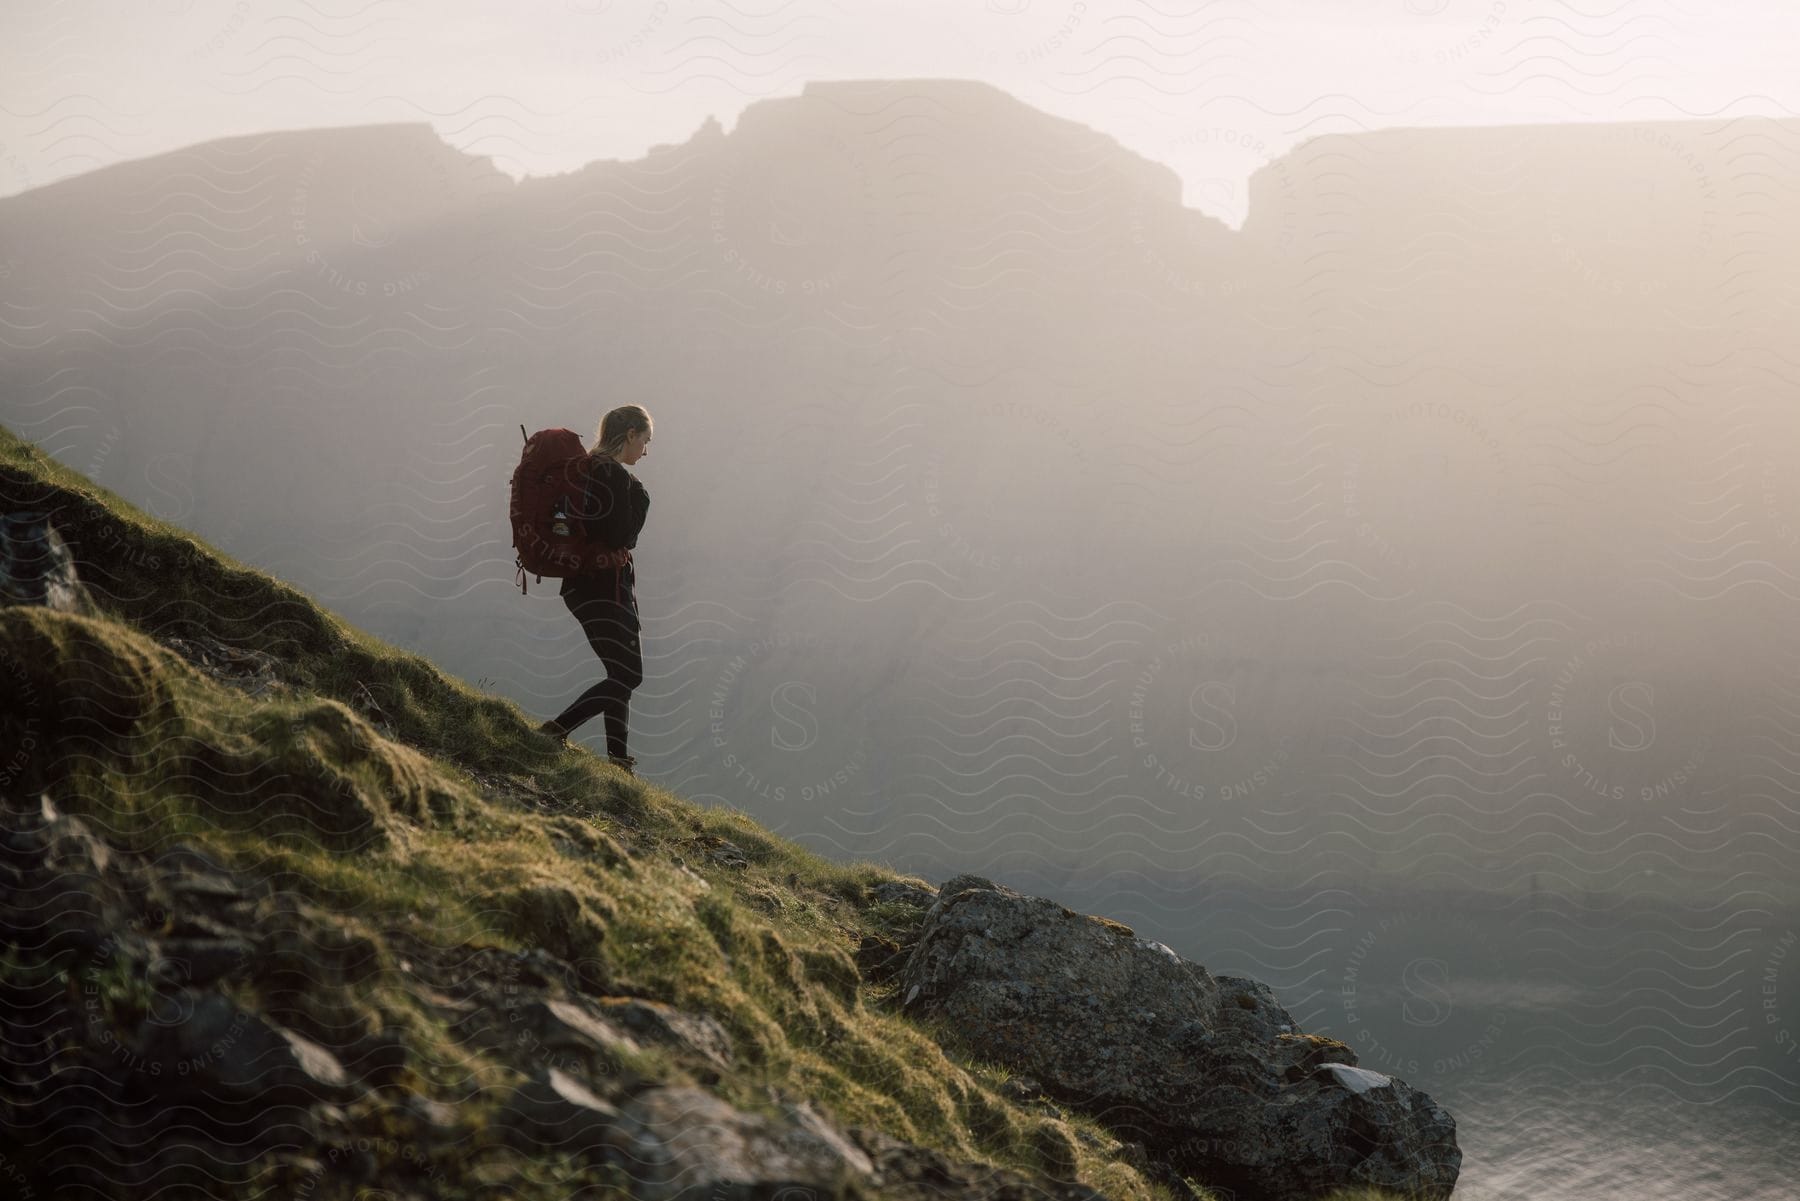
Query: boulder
x,y
556,1109
694,1034
59,883
37,567
566,1034
213,1047
683,1144
1209,1072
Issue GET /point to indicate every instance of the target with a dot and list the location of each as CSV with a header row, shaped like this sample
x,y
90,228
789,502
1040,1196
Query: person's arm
x,y
639,507
605,512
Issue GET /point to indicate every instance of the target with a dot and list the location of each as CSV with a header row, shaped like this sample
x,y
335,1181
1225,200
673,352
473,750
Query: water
x,y
1540,1138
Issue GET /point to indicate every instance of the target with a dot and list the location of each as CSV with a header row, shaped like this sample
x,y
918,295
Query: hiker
x,y
603,600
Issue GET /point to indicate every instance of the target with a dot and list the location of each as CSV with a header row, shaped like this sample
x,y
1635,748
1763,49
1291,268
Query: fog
x,y
1431,531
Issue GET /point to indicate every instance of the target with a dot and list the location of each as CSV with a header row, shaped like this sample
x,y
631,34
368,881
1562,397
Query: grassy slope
x,y
401,799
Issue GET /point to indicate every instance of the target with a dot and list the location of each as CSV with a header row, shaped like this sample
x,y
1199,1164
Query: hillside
x,y
293,913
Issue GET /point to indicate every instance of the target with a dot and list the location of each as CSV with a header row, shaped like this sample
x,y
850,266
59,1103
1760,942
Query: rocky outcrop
x,y
1208,1072
174,1025
687,1143
37,567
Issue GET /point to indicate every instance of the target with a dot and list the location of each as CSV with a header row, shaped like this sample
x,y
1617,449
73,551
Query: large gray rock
x,y
684,1144
37,567
223,1053
694,1034
555,1109
1208,1072
58,881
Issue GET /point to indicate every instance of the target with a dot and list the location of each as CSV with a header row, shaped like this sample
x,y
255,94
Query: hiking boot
x,y
553,732
624,763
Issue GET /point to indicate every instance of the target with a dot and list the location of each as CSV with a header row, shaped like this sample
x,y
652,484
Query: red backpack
x,y
547,490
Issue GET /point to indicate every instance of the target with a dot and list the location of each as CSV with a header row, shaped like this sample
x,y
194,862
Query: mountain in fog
x,y
1000,502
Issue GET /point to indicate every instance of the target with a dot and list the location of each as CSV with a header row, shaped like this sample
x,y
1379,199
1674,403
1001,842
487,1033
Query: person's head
x,y
624,434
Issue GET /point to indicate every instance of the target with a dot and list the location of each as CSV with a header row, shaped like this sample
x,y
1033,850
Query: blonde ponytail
x,y
618,425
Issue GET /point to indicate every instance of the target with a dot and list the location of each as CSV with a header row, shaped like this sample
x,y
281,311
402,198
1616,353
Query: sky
x,y
1213,90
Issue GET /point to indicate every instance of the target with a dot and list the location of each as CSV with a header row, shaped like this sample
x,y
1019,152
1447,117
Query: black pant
x,y
607,610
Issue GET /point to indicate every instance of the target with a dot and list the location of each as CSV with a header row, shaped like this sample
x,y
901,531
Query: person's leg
x,y
612,630
626,670
623,675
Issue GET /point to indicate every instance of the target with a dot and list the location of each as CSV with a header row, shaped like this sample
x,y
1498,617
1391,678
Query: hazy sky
x,y
543,86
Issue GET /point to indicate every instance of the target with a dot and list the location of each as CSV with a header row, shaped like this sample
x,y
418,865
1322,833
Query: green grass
x,y
396,798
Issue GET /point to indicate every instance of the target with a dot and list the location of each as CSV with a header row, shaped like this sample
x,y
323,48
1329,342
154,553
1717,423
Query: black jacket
x,y
612,510
615,505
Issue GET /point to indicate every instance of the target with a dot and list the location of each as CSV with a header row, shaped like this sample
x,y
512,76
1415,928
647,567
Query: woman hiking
x,y
603,601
